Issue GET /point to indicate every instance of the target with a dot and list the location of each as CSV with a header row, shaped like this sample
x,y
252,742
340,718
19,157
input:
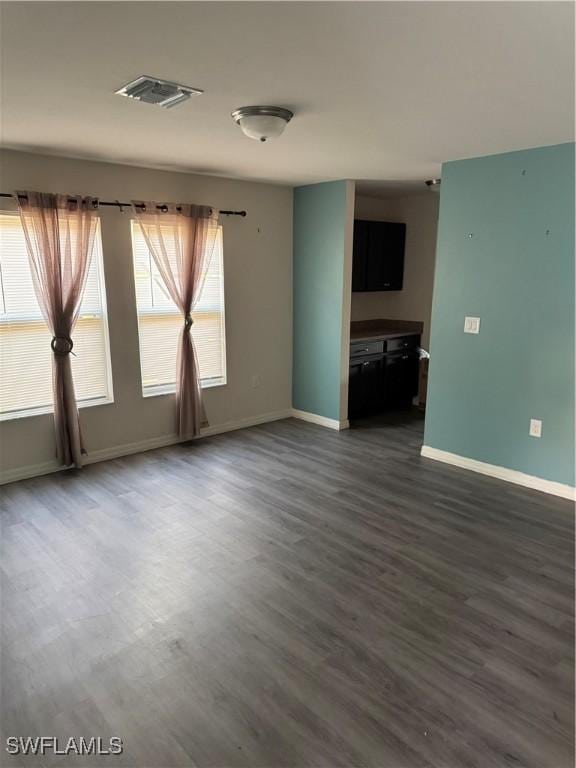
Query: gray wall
x,y
258,289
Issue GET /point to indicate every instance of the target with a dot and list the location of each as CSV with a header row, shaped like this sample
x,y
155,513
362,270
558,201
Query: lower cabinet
x,y
400,379
385,380
365,385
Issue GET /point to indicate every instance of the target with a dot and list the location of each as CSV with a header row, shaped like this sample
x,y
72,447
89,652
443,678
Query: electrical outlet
x,y
255,381
471,325
535,428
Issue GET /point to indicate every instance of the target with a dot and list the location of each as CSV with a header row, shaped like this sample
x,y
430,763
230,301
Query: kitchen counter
x,y
365,330
380,334
383,366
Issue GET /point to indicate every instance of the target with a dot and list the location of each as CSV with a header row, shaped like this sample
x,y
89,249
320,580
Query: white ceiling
x,y
381,90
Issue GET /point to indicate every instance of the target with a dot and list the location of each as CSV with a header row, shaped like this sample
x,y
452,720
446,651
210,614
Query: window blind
x,y
25,354
160,322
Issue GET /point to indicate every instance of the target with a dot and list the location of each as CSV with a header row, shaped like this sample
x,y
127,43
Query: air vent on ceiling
x,y
152,90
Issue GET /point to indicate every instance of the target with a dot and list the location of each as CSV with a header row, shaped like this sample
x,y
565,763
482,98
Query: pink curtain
x,y
181,241
59,232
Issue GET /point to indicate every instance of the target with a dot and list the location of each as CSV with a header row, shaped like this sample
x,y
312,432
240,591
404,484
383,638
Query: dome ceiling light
x,y
262,123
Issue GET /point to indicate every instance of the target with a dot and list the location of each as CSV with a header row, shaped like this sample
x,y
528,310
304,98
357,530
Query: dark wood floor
x,y
290,596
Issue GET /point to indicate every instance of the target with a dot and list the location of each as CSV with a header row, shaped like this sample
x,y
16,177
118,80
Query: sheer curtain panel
x,y
59,231
181,242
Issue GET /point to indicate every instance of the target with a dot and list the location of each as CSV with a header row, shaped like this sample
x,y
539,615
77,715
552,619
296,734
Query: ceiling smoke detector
x,y
433,184
262,123
153,90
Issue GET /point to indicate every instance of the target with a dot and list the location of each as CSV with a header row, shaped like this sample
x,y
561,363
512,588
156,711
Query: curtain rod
x,y
121,206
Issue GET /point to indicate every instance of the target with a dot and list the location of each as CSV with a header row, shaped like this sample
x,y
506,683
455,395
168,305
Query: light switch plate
x,y
535,428
471,325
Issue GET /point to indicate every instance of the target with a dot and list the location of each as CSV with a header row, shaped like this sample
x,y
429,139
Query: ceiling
x,y
380,90
386,188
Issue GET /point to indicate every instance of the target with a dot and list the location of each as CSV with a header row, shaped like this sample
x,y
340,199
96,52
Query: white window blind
x,y
25,353
160,322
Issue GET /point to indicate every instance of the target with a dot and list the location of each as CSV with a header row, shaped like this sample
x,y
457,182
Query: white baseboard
x,y
251,421
126,449
30,470
322,421
502,473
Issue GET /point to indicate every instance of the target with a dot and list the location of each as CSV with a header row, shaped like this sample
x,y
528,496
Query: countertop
x,y
371,330
376,335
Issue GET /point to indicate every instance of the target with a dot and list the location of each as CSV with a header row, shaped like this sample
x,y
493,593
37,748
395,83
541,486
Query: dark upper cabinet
x,y
360,252
378,256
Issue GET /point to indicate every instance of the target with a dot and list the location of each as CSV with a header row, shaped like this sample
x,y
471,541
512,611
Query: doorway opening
x,y
395,226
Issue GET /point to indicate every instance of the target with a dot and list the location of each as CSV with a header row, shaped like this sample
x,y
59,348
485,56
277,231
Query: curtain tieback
x,y
62,345
188,322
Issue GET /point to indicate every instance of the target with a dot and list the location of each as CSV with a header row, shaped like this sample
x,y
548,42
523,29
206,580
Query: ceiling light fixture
x,y
433,184
152,90
262,123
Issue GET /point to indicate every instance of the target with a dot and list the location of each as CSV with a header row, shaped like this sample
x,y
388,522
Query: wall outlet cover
x,y
535,428
471,325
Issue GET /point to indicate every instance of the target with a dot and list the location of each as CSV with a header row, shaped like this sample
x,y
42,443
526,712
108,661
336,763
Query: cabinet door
x,y
385,261
394,271
375,266
400,378
365,386
356,398
359,255
372,374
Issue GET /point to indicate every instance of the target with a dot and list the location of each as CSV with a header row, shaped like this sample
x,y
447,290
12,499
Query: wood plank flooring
x,y
290,596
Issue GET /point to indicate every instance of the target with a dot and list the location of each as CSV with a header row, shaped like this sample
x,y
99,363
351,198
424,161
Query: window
x,y
25,354
160,322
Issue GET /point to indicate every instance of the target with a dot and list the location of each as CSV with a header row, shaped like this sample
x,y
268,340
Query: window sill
x,y
13,415
170,389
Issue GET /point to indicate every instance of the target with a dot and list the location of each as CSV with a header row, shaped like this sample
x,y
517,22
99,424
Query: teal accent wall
x,y
506,254
319,216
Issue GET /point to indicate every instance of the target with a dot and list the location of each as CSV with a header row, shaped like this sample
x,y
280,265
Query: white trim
x,y
502,473
116,451
156,390
322,421
30,470
169,388
101,315
41,410
251,421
